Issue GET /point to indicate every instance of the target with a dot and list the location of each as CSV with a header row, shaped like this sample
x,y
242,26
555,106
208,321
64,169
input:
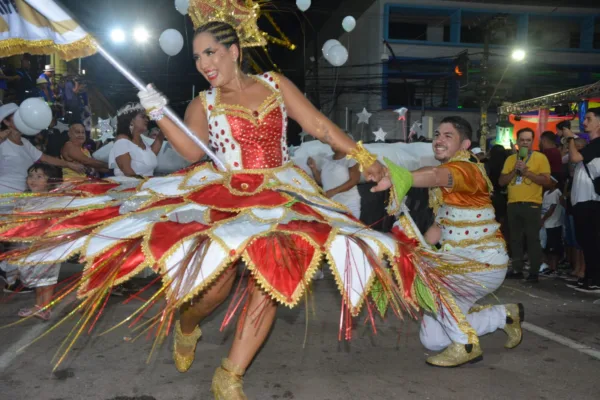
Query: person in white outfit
x,y
130,156
339,178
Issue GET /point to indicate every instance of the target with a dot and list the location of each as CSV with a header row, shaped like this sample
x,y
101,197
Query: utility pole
x,y
484,89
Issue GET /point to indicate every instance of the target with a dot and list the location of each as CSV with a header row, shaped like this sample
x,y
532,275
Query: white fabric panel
x,y
355,280
386,240
60,252
293,178
62,203
335,215
235,232
215,255
167,186
269,214
188,213
115,231
203,177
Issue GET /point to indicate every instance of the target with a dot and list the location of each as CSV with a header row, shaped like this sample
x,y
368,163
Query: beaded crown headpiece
x,y
129,108
241,14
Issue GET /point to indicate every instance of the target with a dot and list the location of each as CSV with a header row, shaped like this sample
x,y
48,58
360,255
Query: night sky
x,y
176,76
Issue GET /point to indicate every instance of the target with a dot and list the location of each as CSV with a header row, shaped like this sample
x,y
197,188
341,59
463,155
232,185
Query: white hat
x,y
49,68
7,110
476,150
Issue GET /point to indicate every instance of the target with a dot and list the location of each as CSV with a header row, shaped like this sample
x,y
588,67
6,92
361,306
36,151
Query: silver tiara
x,y
129,108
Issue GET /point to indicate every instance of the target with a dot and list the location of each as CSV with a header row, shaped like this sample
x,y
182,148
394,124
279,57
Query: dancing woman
x,y
194,226
243,118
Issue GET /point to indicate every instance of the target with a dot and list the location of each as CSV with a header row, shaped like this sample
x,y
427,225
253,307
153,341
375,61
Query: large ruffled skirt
x,y
189,227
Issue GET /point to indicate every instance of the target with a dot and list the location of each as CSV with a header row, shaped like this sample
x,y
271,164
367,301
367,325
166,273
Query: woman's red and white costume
x,y
192,225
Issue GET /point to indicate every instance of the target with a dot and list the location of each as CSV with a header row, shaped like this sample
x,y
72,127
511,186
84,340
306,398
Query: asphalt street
x,y
558,359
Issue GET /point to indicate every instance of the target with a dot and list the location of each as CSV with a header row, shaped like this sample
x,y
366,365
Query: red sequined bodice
x,y
246,139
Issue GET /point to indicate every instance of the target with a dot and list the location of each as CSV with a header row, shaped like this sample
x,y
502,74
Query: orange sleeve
x,y
467,178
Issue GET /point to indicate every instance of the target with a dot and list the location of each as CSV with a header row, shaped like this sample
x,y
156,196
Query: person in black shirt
x,y
55,139
586,200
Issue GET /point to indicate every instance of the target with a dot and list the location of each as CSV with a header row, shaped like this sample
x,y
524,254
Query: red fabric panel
x,y
87,219
281,260
219,196
165,234
246,182
317,231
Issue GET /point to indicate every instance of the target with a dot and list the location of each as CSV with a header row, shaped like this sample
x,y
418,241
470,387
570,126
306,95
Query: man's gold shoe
x,y
457,354
184,362
227,384
515,314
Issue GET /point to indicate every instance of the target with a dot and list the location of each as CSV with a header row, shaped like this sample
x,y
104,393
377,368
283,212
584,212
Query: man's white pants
x,y
454,322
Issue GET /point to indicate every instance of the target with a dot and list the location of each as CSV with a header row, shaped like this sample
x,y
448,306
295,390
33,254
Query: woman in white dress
x,y
339,177
130,156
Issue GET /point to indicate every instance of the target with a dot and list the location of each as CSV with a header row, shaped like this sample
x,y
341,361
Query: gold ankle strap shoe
x,y
184,362
227,384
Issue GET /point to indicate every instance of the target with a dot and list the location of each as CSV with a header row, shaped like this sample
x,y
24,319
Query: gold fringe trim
x,y
82,48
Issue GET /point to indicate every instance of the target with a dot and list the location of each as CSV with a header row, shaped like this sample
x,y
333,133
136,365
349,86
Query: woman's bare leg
x,y
253,329
190,314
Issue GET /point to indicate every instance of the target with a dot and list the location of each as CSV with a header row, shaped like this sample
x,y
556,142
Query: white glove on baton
x,y
153,101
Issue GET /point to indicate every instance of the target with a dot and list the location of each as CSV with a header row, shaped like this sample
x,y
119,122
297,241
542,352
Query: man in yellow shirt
x,y
525,173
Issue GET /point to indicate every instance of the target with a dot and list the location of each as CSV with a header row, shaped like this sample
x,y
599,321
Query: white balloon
x,y
22,126
349,23
35,113
182,6
171,42
337,55
328,45
303,5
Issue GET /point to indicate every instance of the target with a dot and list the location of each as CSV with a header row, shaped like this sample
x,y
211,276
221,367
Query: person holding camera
x,y
585,197
525,173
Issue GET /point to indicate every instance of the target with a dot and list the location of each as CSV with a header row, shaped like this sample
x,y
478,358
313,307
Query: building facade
x,y
403,53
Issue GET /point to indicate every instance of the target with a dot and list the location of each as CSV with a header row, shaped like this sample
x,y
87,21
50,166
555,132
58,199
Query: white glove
x,y
152,99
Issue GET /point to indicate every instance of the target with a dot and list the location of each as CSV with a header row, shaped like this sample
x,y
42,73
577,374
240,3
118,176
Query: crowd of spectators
x,y
548,204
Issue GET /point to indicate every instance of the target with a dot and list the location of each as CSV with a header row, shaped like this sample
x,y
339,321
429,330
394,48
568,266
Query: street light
x,y
518,55
117,35
141,35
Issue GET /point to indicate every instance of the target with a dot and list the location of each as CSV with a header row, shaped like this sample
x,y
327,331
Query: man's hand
x,y
384,184
330,193
375,172
568,133
520,166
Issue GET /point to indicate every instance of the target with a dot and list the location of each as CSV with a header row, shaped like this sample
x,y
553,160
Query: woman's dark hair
x,y
54,174
124,122
225,34
3,126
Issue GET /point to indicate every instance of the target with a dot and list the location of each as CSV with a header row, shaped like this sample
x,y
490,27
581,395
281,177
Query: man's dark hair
x,y
549,135
526,130
595,111
461,125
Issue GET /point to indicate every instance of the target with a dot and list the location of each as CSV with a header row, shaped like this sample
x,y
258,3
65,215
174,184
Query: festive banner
x,y
41,27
